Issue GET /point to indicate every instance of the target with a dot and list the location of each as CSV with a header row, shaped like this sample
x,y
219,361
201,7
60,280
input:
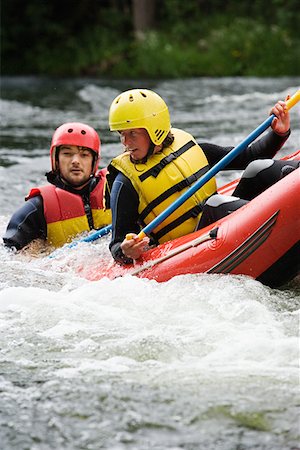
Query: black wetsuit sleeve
x,y
26,224
124,202
264,148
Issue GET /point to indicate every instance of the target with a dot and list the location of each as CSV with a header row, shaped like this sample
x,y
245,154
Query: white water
x,y
202,361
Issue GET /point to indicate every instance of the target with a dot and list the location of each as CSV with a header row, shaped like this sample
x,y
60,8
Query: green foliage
x,y
244,47
248,47
195,38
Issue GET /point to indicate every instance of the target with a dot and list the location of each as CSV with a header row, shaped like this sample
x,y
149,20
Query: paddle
x,y
212,234
90,238
214,170
94,236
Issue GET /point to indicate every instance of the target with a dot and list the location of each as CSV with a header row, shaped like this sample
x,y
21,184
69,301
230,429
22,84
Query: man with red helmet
x,y
74,201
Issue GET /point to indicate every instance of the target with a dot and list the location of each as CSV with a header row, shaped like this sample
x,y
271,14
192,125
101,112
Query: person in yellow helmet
x,y
74,199
160,162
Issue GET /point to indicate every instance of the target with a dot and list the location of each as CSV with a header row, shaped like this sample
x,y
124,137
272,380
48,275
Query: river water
x,y
200,362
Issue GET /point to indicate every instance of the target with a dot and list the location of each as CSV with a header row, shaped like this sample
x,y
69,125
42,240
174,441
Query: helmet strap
x,y
95,158
151,149
56,159
145,159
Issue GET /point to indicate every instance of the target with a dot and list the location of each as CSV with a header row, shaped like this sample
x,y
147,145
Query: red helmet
x,y
75,133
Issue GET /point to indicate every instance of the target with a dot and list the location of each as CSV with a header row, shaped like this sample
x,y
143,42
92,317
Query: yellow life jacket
x,y
163,178
65,215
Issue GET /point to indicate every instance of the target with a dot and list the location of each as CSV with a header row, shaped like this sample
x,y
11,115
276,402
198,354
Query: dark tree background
x,y
148,37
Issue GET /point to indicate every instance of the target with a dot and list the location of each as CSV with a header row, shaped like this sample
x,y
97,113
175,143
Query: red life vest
x,y
64,211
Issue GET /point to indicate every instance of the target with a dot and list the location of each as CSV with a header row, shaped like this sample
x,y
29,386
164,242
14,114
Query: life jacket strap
x,y
193,212
155,170
175,188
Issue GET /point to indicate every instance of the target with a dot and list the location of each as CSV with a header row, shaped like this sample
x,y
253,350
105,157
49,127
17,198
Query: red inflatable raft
x,y
260,240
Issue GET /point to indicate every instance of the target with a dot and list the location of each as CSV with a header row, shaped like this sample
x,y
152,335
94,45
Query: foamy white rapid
x,y
197,359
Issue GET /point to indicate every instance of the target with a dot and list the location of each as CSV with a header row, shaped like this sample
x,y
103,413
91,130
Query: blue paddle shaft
x,y
212,172
98,234
92,237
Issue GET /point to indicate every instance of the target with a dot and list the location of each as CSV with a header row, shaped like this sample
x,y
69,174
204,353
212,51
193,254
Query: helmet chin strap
x,y
151,149
149,153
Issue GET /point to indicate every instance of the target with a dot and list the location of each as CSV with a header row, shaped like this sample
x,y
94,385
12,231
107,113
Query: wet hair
x,y
169,139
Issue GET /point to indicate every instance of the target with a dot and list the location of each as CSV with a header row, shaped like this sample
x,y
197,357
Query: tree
x,y
143,17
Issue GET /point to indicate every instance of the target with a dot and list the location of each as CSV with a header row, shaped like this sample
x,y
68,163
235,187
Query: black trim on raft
x,y
284,269
246,248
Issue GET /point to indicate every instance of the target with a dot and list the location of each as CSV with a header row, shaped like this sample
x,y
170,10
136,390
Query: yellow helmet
x,y
140,108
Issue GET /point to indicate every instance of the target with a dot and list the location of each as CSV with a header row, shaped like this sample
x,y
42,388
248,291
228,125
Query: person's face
x,y
75,164
136,141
